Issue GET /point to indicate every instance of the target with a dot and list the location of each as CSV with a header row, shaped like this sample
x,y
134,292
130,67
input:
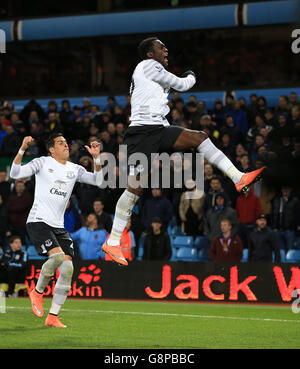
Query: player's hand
x,y
94,150
188,72
27,141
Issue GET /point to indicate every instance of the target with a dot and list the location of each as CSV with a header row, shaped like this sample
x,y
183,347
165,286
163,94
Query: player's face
x,y
160,53
61,148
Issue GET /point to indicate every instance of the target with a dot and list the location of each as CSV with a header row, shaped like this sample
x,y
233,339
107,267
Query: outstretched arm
x,y
157,73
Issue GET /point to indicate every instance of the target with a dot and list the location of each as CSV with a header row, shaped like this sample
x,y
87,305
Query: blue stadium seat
x,y
293,256
203,254
187,254
297,243
141,248
33,255
175,231
201,242
245,256
282,256
174,255
182,241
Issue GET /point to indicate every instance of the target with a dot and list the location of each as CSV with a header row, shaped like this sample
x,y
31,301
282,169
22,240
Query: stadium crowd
x,y
252,134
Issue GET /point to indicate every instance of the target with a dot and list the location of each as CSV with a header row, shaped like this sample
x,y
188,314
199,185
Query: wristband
x,y
97,160
21,152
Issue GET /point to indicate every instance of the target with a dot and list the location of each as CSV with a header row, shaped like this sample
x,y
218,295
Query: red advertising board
x,y
187,281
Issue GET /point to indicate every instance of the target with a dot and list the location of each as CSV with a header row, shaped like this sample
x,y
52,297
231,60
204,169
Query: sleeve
x,y
22,171
168,248
94,179
100,253
157,73
76,235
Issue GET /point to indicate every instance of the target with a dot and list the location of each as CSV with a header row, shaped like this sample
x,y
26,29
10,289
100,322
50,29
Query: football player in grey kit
x,y
55,177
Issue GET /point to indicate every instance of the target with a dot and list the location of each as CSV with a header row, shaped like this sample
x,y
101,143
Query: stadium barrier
x,y
179,281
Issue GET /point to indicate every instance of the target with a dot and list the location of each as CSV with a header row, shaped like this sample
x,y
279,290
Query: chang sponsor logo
x,y
59,188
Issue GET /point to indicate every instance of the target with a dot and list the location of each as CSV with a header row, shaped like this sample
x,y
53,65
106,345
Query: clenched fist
x,y
27,141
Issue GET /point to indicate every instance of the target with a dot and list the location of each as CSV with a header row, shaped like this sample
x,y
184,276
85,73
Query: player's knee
x,y
202,136
196,138
66,269
57,258
54,261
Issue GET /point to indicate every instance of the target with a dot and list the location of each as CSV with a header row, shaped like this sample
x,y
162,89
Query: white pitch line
x,y
169,314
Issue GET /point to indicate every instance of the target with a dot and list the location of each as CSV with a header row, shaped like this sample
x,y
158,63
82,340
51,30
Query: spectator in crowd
x,y
191,209
18,207
227,146
12,265
89,239
215,188
284,216
157,243
232,130
212,221
72,218
239,116
10,142
157,205
226,246
248,206
104,219
4,185
218,114
3,224
208,174
109,144
283,105
263,242
127,243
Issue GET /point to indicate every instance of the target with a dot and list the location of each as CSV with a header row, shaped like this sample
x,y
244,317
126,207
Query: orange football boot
x,y
36,303
115,253
248,179
53,321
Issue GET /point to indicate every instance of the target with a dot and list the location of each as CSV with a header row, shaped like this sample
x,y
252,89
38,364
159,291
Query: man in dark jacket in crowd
x,y
285,209
12,265
157,244
263,242
157,206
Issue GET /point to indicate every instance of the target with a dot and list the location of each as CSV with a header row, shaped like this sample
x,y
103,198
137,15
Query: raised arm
x,y
95,178
157,73
22,171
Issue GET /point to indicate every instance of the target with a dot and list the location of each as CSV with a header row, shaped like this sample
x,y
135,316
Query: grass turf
x,y
102,324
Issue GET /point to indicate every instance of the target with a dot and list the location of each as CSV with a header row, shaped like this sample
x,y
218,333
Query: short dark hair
x,y
145,46
50,141
13,238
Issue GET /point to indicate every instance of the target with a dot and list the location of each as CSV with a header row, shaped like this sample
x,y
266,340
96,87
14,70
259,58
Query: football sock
x,y
123,212
48,270
216,157
62,286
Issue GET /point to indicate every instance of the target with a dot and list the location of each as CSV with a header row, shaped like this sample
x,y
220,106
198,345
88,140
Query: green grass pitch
x,y
104,324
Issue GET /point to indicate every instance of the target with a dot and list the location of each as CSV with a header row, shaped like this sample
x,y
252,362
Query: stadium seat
x,y
187,254
174,255
203,254
297,243
182,241
33,255
293,256
141,248
282,256
200,242
245,256
176,231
